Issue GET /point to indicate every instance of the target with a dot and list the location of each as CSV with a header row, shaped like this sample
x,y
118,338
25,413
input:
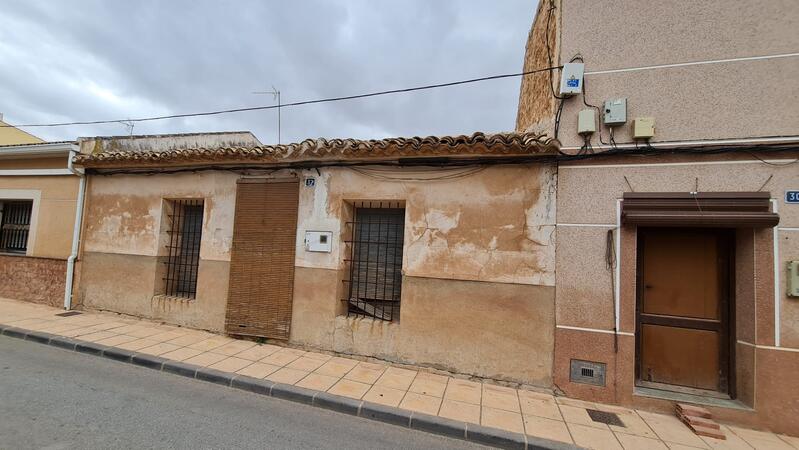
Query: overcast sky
x,y
88,60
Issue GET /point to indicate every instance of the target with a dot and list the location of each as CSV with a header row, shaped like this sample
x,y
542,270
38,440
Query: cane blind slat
x,y
262,259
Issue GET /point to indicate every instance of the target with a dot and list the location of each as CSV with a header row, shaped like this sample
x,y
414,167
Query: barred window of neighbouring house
x,y
15,223
184,232
375,260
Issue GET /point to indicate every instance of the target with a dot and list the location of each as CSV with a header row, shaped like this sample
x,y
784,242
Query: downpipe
x,y
76,231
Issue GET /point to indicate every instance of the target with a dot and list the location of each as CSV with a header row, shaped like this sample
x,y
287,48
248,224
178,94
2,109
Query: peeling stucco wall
x,y
165,142
493,225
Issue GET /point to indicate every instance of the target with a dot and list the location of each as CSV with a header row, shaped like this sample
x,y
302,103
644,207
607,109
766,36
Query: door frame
x,y
727,314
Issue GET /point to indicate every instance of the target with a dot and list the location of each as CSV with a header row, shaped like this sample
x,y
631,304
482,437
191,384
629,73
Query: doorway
x,y
261,290
683,311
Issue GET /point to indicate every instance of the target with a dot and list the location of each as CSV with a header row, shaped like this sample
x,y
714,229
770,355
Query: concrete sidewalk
x,y
522,411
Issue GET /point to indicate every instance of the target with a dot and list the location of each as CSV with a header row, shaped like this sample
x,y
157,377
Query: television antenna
x,y
276,96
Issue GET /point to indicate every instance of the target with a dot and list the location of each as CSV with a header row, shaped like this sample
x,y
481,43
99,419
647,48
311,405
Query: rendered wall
x,y
587,208
478,271
478,264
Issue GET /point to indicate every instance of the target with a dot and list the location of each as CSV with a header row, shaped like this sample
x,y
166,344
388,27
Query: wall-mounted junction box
x,y
643,127
793,279
615,112
586,121
319,241
571,79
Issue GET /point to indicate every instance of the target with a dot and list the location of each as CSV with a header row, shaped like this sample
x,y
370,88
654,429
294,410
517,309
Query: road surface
x,y
57,399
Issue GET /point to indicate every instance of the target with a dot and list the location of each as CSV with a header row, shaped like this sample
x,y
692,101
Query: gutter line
x,y
76,230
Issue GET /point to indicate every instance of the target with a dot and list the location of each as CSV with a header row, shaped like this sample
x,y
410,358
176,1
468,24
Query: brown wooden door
x,y
262,258
683,314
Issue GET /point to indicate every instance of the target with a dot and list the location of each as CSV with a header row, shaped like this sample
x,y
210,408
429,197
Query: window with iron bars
x,y
15,224
375,260
183,245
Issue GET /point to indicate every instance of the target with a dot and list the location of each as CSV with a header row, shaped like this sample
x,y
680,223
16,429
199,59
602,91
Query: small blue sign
x,y
573,82
791,196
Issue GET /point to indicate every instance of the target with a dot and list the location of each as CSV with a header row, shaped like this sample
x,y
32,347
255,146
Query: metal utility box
x,y
793,279
319,241
586,121
571,79
643,127
615,112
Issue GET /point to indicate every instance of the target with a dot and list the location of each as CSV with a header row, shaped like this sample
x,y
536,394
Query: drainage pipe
x,y
76,231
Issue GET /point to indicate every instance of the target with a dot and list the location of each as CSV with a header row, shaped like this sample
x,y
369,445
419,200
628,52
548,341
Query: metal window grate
x,y
375,284
15,221
185,233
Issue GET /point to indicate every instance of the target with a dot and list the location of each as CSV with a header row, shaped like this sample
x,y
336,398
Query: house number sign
x,y
791,196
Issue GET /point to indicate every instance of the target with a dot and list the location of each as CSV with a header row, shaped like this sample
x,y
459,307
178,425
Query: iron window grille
x,y
375,262
15,223
183,260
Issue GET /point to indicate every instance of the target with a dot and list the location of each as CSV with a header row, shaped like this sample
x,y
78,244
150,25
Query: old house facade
x,y
358,247
671,280
39,193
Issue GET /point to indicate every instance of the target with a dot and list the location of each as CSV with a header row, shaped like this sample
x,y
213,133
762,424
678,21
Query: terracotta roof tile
x,y
477,144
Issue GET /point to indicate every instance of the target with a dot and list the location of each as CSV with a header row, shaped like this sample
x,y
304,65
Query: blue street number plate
x,y
791,196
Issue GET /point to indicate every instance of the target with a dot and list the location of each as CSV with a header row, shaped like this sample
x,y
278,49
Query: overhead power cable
x,y
288,105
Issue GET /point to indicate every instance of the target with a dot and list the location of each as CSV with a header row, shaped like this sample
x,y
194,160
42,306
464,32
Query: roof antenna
x,y
275,96
129,124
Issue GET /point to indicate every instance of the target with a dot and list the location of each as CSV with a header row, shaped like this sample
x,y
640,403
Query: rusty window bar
x,y
183,260
15,221
375,262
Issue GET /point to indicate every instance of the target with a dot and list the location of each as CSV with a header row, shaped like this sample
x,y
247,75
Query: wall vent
x,y
587,372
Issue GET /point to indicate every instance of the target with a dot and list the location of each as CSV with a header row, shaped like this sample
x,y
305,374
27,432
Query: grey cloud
x,y
83,60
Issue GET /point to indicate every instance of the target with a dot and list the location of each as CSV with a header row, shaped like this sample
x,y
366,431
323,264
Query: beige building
x,y
358,247
39,194
671,251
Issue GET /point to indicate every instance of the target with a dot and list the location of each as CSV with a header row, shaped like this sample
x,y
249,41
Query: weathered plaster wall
x,y
53,211
587,208
478,269
167,142
124,232
690,102
494,225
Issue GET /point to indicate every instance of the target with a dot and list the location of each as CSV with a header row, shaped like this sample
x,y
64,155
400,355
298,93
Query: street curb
x,y
180,368
215,376
293,393
495,438
345,405
439,425
386,414
36,336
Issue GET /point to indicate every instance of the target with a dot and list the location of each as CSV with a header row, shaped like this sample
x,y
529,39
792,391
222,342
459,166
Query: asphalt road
x,y
57,399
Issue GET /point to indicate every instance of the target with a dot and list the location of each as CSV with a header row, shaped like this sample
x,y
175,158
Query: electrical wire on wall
x,y
610,264
422,174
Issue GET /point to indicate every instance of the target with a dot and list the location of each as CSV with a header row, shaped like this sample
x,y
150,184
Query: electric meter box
x,y
615,112
571,79
319,241
586,121
793,279
643,127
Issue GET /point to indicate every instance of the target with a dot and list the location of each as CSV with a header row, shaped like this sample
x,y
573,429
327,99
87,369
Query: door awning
x,y
699,209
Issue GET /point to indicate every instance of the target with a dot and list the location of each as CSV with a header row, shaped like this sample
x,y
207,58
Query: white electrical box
x,y
615,112
319,241
643,127
793,279
586,121
571,79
